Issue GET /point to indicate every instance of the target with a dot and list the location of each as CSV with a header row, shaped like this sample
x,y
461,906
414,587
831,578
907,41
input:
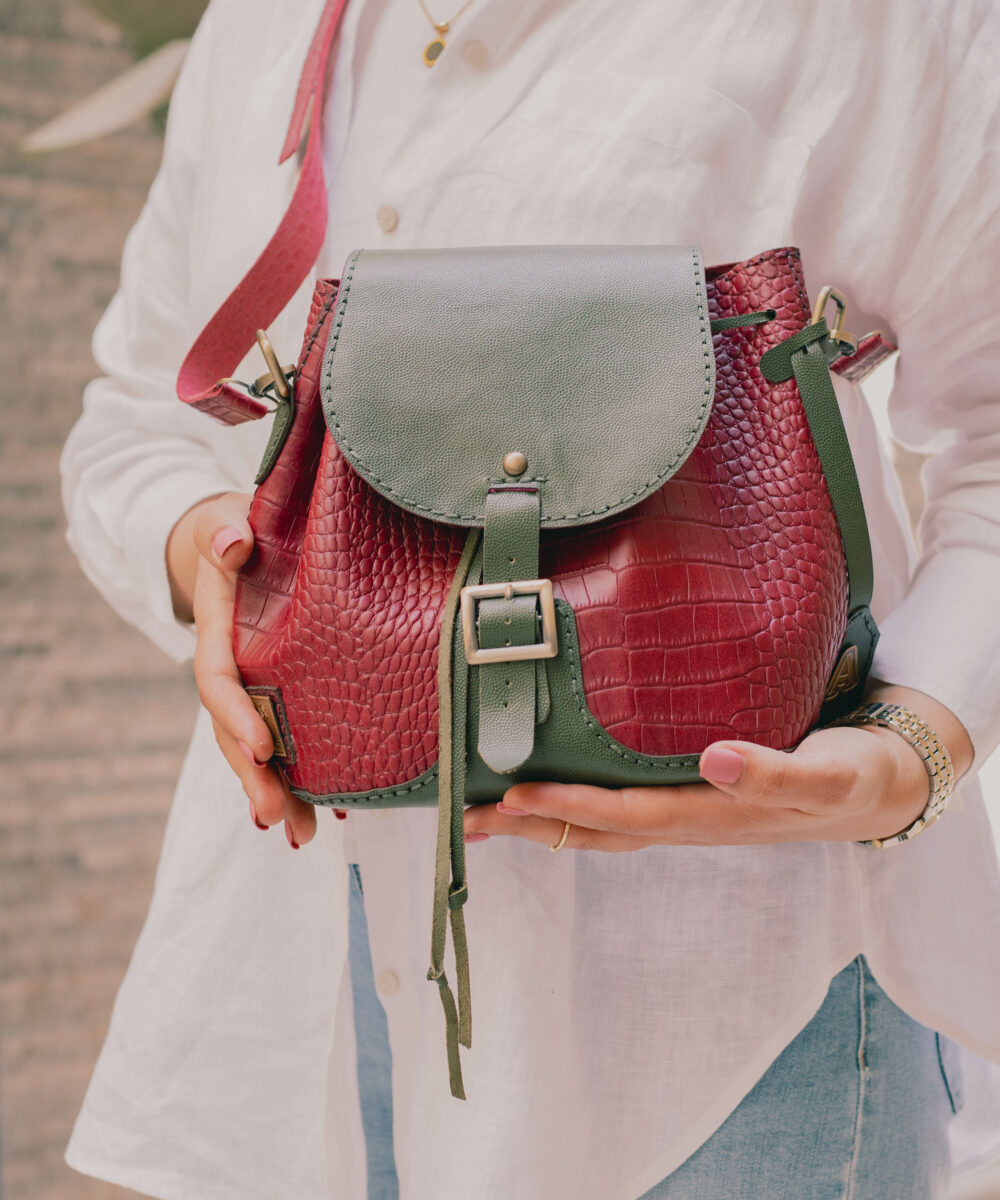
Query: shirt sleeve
x,y
944,638
137,459
900,203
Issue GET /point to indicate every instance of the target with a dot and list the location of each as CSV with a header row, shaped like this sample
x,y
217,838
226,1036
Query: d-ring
x,y
562,841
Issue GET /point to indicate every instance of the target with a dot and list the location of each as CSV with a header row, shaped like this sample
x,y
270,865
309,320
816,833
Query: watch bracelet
x,y
935,757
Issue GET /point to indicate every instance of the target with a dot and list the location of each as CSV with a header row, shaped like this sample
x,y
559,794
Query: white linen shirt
x,y
624,1004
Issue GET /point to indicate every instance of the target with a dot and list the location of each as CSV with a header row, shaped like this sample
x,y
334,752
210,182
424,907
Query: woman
x,y
749,1002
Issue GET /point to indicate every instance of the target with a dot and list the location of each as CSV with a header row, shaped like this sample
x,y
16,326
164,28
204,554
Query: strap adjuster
x,y
547,648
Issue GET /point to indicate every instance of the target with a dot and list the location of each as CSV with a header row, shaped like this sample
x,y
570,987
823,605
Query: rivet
x,y
515,463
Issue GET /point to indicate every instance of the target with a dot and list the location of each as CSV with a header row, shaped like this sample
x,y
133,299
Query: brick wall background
x,y
94,719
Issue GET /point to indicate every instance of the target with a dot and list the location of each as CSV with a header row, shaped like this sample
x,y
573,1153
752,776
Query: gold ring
x,y
562,841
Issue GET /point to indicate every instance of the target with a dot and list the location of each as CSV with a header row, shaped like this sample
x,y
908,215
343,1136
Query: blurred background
x,y
95,720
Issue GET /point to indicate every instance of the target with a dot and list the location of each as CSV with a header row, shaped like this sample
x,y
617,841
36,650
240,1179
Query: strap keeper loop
x,y
776,363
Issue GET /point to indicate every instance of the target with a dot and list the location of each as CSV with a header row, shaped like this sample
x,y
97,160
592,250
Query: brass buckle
x,y
546,648
847,342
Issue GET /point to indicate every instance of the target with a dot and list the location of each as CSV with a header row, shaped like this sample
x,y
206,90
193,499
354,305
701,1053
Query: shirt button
x,y
475,53
387,218
387,983
380,814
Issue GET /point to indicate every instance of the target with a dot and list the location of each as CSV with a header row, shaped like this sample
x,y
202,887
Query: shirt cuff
x,y
944,640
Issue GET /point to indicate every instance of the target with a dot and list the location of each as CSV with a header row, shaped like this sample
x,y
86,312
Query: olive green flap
x,y
594,363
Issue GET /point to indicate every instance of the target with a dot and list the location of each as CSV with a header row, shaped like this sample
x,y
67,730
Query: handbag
x,y
534,513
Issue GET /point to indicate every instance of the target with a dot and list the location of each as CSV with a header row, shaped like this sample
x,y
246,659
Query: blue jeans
x,y
856,1107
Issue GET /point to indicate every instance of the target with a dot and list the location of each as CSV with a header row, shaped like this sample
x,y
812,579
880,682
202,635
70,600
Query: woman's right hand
x,y
206,548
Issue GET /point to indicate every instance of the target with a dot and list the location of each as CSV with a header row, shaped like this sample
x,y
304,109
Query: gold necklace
x,y
434,49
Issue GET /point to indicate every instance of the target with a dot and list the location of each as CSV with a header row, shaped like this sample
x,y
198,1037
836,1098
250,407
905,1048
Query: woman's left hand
x,y
844,784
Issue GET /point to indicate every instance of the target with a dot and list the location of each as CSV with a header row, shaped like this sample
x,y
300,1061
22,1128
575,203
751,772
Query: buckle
x,y
546,648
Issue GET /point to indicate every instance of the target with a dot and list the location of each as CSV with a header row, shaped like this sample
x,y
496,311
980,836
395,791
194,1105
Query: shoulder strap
x,y
204,379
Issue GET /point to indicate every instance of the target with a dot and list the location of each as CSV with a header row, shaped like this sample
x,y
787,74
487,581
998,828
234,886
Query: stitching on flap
x,y
354,455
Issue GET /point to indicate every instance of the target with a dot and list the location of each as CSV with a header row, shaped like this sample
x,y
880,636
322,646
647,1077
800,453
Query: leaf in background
x,y
148,24
127,98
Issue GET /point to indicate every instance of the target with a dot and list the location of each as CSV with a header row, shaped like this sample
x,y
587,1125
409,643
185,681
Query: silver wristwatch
x,y
936,760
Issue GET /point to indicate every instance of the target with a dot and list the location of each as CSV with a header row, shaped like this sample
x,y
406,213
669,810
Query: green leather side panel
x,y
570,747
594,362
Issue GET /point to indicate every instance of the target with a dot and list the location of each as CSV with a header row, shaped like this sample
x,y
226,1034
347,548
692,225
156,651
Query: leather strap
x,y
508,691
450,886
804,355
205,379
872,351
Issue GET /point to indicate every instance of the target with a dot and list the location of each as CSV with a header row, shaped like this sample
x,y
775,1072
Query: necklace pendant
x,y
433,51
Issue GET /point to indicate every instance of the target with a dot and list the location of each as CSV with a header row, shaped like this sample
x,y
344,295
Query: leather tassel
x,y
450,891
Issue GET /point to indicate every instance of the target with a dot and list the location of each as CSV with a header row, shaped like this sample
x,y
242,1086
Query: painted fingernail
x,y
340,814
250,756
514,812
256,819
476,837
224,539
288,834
719,764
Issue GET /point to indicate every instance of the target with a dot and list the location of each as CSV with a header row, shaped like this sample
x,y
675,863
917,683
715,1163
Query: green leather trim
x,y
862,634
595,362
281,427
571,746
507,691
420,790
450,886
806,355
830,438
721,324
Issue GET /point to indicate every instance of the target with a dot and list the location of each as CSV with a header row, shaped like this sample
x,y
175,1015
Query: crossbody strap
x,y
204,380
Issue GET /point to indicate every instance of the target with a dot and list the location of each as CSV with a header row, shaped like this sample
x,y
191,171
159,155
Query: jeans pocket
x,y
950,1062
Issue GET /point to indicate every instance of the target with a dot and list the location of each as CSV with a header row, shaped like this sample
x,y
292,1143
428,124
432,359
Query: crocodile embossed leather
x,y
715,608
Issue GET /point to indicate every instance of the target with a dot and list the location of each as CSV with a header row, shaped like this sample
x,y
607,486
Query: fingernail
x,y
249,754
224,539
514,812
476,837
719,764
256,819
340,814
288,834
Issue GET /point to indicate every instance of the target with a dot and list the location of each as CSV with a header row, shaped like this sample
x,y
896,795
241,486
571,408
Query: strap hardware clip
x,y
846,342
276,376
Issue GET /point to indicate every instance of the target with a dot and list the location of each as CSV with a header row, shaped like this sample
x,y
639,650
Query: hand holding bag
x,y
535,513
